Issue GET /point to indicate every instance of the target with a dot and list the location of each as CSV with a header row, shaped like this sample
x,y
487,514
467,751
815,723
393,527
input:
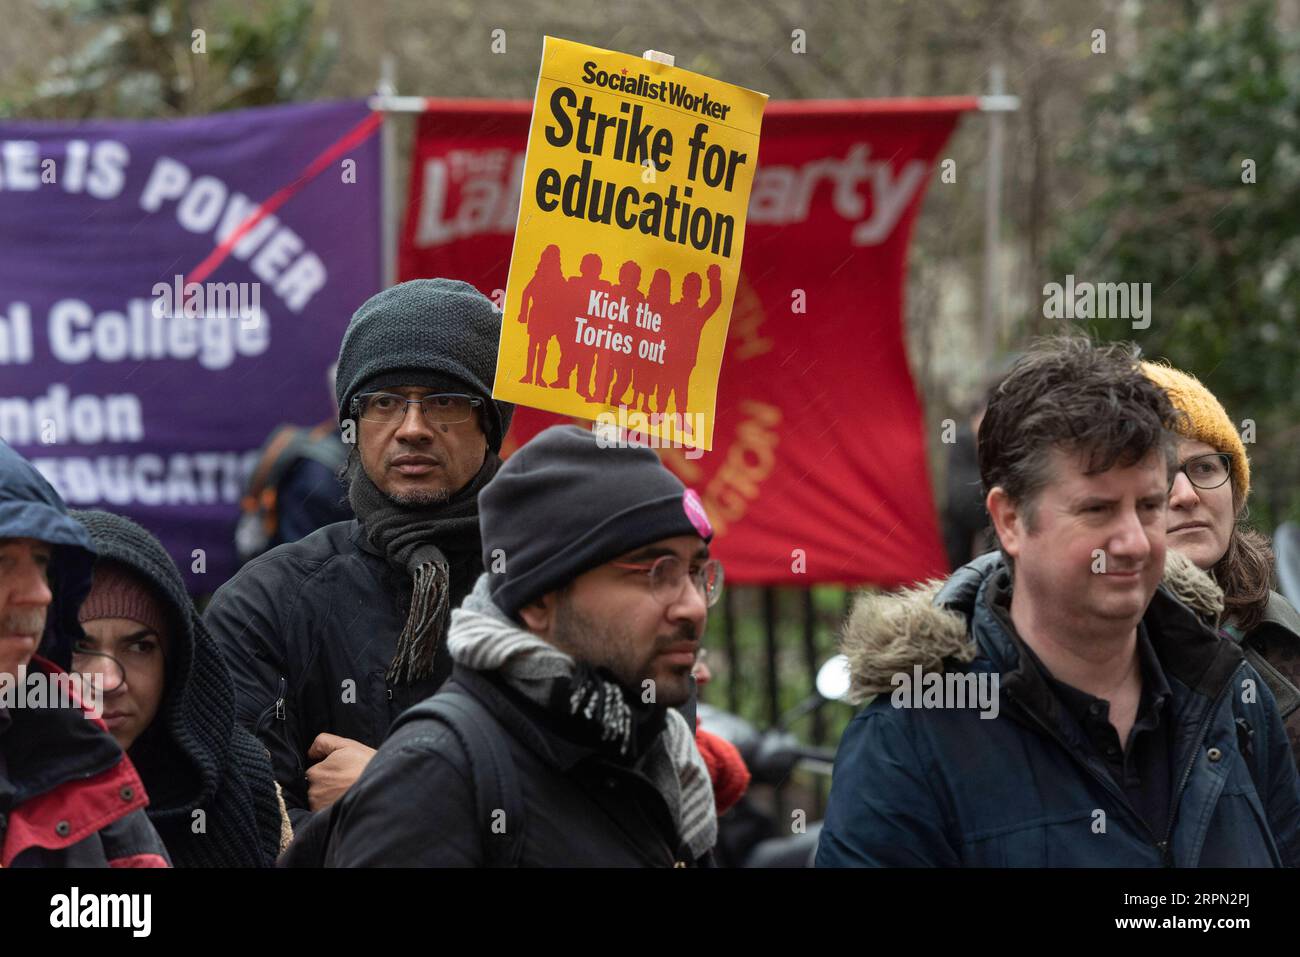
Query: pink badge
x,y
694,509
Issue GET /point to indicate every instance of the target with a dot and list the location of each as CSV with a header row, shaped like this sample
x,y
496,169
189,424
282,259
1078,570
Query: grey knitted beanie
x,y
442,327
563,504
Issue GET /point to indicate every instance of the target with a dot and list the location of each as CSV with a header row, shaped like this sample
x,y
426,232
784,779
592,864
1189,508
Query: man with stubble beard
x,y
574,656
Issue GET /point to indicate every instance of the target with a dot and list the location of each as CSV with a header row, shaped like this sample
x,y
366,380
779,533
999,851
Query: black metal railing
x,y
766,645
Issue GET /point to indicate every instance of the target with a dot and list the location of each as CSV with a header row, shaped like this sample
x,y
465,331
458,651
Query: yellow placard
x,y
627,249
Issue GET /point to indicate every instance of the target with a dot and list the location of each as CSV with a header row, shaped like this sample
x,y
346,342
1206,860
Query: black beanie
x,y
439,327
562,504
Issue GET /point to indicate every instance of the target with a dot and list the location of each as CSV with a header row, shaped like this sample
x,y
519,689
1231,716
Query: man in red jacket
x,y
69,797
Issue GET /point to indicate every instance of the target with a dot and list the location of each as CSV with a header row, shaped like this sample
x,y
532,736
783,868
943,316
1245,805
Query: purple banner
x,y
143,363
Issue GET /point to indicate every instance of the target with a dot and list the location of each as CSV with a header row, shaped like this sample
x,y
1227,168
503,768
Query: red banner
x,y
818,472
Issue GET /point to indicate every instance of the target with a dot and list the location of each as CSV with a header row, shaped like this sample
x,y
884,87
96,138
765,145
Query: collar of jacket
x,y
1281,612
1280,627
950,623
47,747
358,537
65,777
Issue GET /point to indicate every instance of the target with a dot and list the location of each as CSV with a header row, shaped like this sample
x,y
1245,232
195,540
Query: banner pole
x,y
386,90
419,104
992,320
387,103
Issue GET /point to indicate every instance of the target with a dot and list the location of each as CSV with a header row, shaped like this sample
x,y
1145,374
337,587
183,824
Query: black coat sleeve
x,y
131,841
413,806
248,616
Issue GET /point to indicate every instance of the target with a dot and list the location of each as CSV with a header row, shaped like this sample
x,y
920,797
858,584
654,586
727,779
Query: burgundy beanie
x,y
118,592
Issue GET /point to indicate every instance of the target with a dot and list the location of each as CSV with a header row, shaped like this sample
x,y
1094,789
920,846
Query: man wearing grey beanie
x,y
570,654
331,637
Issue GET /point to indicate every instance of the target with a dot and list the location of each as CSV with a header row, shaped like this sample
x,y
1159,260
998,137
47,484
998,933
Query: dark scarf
x,y
597,710
405,535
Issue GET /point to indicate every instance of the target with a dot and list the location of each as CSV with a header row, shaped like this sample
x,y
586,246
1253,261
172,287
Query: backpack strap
x,y
323,446
259,506
285,446
498,800
496,782
278,451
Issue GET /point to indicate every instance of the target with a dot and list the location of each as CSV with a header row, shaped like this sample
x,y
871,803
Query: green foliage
x,y
1168,139
162,58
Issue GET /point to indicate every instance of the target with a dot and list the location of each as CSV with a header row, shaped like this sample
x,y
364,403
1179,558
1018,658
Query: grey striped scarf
x,y
483,638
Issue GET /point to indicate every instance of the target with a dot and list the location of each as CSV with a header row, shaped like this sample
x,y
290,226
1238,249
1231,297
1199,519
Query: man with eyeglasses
x,y
331,637
571,656
1120,729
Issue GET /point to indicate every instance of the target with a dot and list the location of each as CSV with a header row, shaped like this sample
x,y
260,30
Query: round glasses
x,y
438,409
1208,471
99,662
667,573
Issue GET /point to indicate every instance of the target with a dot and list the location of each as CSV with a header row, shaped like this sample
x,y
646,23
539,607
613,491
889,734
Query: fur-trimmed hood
x,y
889,633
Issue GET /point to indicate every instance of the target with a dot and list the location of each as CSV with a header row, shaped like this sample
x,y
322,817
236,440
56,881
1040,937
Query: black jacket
x,y
415,806
309,630
1273,649
194,757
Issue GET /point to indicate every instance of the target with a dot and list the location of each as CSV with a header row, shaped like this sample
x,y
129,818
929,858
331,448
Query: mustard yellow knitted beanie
x,y
1206,421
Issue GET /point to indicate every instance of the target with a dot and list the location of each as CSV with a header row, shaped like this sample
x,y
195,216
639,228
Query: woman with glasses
x,y
1205,521
169,702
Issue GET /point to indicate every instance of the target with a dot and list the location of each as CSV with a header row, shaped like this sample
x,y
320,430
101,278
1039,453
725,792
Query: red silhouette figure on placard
x,y
542,310
618,364
573,353
648,375
685,324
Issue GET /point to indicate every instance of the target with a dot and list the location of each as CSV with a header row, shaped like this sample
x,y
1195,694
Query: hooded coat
x,y
194,757
947,787
69,797
1273,649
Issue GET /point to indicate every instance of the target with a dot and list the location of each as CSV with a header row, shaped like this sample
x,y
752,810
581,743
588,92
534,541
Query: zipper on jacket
x,y
275,710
